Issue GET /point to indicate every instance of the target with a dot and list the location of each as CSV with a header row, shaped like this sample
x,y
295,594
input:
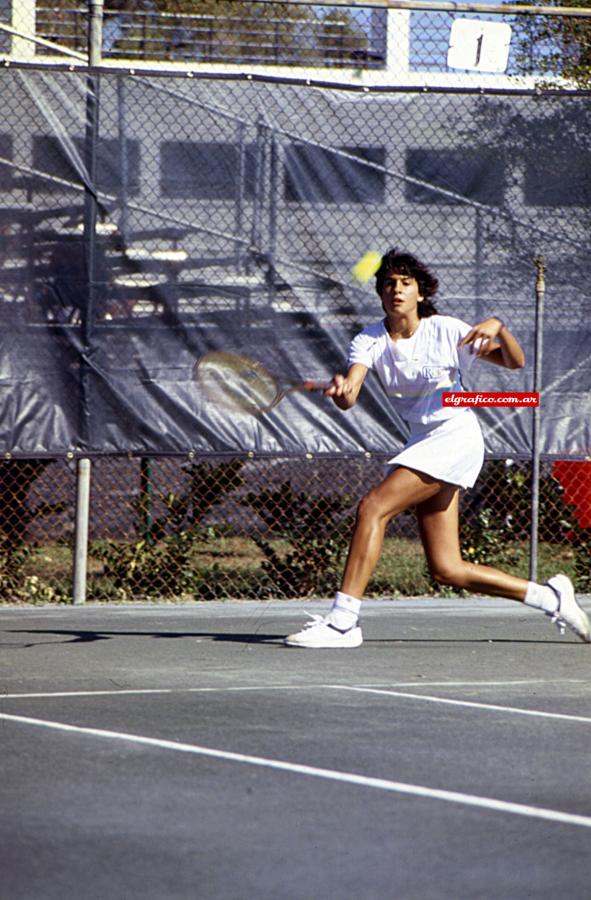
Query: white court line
x,y
466,703
42,695
415,790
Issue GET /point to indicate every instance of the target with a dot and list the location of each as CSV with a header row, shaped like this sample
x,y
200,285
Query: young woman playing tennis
x,y
417,355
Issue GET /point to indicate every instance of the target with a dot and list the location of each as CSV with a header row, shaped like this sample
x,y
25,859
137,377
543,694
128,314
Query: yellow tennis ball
x,y
367,266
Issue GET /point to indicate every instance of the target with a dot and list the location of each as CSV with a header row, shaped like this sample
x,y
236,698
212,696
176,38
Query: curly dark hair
x,y
402,263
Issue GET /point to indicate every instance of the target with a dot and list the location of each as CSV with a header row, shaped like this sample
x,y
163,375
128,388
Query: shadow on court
x,y
76,637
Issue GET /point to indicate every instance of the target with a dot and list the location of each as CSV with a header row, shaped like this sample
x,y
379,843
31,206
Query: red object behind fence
x,y
575,478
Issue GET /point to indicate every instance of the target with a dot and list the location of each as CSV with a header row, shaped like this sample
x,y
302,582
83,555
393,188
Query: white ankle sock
x,y
345,611
541,596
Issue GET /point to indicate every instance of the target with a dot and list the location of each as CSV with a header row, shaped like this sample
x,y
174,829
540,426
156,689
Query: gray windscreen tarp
x,y
146,221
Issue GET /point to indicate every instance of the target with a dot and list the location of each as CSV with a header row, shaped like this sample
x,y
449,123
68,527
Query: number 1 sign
x,y
479,46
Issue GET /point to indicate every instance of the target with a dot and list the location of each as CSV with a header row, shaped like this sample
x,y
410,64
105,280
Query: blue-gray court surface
x,y
184,752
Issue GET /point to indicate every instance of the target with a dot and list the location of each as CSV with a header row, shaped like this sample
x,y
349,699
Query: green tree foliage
x,y
555,47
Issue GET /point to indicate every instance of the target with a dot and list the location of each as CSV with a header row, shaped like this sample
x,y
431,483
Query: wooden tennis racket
x,y
242,384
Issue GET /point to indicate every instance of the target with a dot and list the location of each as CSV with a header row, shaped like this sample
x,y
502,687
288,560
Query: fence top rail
x,y
317,79
450,6
140,69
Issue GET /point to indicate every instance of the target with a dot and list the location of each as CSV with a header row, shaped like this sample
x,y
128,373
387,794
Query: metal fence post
x,y
147,499
95,31
123,156
23,21
95,23
81,530
535,471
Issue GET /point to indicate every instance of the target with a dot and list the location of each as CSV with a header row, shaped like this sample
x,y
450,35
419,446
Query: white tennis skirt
x,y
451,450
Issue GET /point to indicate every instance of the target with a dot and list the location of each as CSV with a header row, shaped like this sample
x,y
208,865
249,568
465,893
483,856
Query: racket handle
x,y
315,385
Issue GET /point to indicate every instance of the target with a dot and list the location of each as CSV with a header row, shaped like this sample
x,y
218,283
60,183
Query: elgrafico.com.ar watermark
x,y
491,398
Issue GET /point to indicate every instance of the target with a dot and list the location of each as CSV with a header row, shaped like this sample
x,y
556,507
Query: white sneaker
x,y
320,634
569,614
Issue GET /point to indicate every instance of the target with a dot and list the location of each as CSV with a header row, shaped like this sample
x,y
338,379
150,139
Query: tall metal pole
x,y
123,156
273,197
241,190
95,30
95,19
535,469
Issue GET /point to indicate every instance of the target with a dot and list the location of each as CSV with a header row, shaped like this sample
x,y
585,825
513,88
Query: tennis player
x,y
417,354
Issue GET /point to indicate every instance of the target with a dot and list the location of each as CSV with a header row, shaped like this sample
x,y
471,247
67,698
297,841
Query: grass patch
x,y
401,570
230,567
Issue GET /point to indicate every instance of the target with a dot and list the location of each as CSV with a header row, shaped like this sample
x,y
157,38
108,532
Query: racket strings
x,y
236,383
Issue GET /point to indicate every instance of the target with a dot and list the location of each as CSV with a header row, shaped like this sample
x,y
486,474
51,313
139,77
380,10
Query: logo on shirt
x,y
423,382
441,374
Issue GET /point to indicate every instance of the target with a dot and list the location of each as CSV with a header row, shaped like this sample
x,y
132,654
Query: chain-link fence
x,y
150,217
232,527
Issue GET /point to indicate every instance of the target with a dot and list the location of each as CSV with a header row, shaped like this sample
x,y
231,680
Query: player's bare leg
x,y
438,519
402,489
439,528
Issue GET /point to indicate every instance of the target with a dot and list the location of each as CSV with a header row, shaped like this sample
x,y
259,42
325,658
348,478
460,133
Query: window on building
x,y
50,156
207,170
446,176
320,175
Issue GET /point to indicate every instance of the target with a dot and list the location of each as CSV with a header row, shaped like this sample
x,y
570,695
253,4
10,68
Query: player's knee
x,y
369,508
448,574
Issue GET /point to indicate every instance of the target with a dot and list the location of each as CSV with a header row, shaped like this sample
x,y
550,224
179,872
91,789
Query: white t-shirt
x,y
415,371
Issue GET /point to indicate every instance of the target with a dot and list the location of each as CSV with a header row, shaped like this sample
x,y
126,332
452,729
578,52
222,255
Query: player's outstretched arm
x,y
491,340
344,389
